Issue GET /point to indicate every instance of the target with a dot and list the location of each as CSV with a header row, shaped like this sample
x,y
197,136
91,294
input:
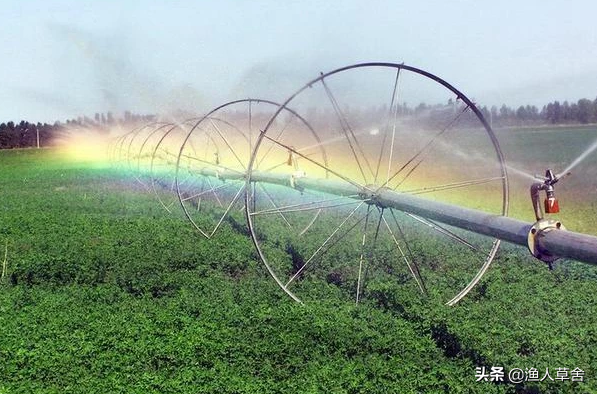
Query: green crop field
x,y
103,291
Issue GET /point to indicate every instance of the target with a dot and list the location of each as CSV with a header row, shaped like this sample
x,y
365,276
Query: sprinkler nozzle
x,y
551,202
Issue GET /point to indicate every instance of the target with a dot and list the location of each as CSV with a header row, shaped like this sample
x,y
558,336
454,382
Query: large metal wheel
x,y
118,148
127,150
384,126
211,164
161,148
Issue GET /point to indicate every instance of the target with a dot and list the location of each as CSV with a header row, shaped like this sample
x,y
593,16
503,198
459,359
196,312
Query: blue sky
x,y
61,59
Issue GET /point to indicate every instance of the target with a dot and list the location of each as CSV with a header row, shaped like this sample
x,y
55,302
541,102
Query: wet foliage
x,y
105,291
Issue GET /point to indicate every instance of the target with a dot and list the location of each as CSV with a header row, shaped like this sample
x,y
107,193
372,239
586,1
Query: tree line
x,y
458,114
106,120
584,111
29,135
25,134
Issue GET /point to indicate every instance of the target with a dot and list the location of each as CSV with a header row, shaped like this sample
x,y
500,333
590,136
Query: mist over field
x,y
298,197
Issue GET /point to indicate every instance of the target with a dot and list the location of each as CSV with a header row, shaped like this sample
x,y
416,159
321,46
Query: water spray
x,y
335,200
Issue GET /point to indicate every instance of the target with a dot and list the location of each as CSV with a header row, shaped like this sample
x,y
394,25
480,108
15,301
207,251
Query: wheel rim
x,y
211,166
370,153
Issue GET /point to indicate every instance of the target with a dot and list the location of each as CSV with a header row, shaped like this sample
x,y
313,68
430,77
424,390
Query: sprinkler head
x,y
550,177
551,204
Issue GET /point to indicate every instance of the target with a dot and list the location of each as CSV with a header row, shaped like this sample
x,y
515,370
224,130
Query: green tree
x,y
585,108
521,114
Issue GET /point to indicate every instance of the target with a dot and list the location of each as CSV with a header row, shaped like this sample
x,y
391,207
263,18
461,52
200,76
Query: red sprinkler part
x,y
544,226
551,202
551,205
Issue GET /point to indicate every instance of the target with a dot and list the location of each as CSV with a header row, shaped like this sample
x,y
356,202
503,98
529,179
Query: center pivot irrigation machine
x,y
357,179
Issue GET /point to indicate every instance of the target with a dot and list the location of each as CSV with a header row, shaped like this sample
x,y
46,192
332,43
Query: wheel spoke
x,y
276,138
227,143
203,192
323,166
271,200
304,207
348,132
311,222
328,141
306,204
442,230
454,185
168,153
170,205
193,145
324,247
425,148
238,193
212,164
250,127
185,181
210,141
214,192
375,237
410,253
392,113
362,257
284,163
414,271
206,150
